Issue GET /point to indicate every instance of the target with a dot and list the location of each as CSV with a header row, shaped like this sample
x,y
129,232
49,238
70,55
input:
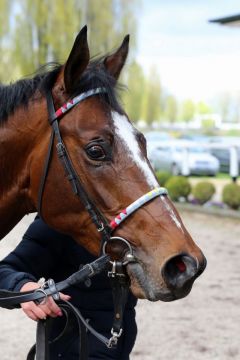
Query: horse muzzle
x,y
173,281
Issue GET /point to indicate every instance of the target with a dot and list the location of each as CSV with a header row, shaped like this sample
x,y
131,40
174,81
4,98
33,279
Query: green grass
x,y
219,176
223,176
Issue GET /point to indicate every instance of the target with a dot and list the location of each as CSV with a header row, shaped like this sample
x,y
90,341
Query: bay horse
x,y
108,155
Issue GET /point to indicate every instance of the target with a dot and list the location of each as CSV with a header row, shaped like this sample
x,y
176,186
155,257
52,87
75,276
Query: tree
x,y
44,29
5,6
203,108
152,97
188,110
5,11
224,106
171,109
133,97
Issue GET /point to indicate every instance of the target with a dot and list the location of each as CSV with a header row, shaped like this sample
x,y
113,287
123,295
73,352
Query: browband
x,y
74,101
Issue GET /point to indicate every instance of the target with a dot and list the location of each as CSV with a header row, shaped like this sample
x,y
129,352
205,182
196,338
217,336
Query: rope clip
x,y
114,339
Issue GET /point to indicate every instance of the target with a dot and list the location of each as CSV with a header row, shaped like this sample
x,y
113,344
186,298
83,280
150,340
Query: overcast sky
x,y
195,59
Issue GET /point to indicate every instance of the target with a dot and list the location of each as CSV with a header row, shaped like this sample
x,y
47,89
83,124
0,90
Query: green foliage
x,y
178,187
231,195
133,98
232,132
208,123
171,109
188,110
152,97
228,106
203,108
203,191
108,22
5,12
43,30
5,6
163,177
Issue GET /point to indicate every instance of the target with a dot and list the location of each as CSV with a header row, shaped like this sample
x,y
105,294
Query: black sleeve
x,y
34,257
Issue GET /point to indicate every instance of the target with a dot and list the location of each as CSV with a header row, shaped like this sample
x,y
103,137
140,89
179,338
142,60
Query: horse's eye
x,y
96,152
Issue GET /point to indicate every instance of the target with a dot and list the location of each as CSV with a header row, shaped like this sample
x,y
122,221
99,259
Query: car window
x,y
178,149
198,150
164,148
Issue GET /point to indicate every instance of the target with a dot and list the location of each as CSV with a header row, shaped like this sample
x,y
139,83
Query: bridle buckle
x,y
101,227
117,269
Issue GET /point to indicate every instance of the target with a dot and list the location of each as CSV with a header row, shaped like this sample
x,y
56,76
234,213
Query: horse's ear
x,y
77,61
115,62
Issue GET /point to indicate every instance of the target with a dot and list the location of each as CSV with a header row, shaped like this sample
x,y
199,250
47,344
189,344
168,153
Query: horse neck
x,y
18,137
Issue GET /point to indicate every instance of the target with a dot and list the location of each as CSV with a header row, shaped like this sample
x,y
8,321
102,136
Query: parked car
x,y
223,154
197,138
169,156
155,138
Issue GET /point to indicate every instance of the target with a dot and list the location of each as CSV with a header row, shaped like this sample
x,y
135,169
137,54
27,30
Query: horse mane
x,y
20,93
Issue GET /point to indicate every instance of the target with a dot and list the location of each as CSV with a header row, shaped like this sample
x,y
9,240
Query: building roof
x,y
233,20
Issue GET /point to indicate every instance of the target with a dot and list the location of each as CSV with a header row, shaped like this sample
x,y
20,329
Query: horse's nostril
x,y
179,270
180,264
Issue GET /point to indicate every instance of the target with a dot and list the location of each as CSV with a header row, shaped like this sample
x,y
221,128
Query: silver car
x,y
183,158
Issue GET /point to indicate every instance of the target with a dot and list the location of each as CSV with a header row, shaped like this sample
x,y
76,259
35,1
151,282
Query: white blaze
x,y
172,214
125,131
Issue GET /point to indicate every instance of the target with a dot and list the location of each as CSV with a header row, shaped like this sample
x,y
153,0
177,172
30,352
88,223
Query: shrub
x,y
231,195
203,191
178,187
163,177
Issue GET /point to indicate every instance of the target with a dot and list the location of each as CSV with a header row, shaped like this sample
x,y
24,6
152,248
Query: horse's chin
x,y
144,287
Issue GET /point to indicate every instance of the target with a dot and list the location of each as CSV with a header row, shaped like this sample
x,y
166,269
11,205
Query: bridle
x,y
119,281
106,229
117,275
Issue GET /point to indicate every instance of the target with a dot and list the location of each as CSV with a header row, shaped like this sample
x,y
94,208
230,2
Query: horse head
x,y
109,156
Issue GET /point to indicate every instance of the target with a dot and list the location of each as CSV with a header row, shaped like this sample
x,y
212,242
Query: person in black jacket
x,y
46,253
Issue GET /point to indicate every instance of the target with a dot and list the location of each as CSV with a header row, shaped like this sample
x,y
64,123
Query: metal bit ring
x,y
117,238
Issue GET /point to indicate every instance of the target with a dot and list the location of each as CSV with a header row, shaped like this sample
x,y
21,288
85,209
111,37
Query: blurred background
x,y
182,82
182,77
182,69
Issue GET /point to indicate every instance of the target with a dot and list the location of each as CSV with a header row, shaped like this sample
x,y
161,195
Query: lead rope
x,y
120,288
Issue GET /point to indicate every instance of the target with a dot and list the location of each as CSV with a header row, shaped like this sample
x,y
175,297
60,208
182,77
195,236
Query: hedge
x,y
163,177
203,191
178,187
231,195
